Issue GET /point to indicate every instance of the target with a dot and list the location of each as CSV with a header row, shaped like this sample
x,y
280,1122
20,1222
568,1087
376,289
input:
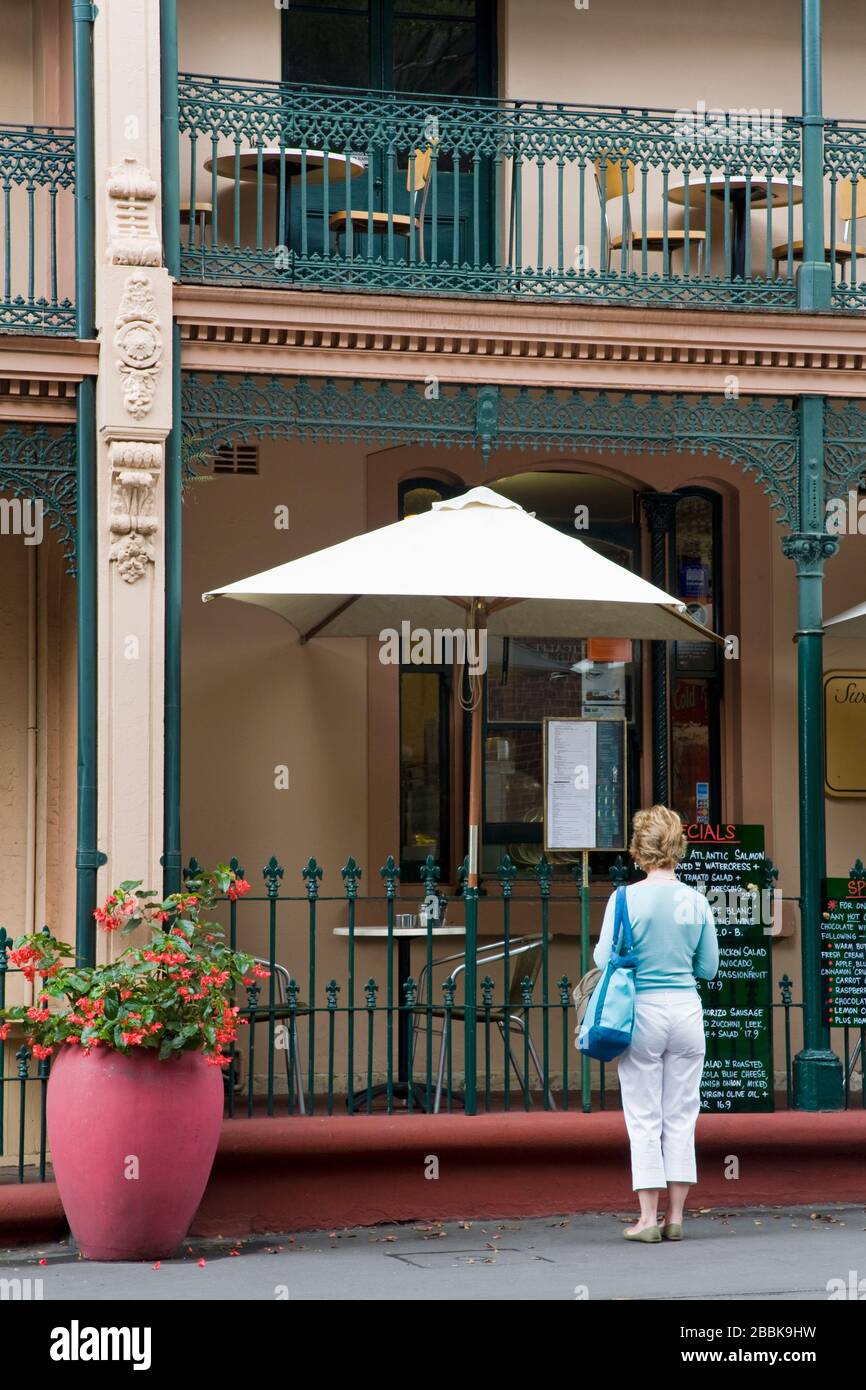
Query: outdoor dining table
x,y
403,936
779,190
246,166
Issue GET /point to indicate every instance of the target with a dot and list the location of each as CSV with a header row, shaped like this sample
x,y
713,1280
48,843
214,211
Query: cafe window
x,y
696,667
425,733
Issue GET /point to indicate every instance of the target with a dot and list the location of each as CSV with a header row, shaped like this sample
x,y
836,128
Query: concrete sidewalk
x,y
765,1253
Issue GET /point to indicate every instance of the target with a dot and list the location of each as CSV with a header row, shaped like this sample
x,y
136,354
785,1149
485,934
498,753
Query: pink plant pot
x,y
132,1141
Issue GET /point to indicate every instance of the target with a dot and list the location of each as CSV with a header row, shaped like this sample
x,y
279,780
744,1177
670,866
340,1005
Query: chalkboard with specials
x,y
843,952
725,863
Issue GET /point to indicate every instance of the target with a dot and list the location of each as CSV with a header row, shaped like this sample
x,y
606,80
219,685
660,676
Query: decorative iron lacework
x,y
537,162
36,165
759,437
41,463
329,118
227,265
844,447
845,158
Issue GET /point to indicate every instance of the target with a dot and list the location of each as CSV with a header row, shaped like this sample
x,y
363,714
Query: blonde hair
x,y
658,840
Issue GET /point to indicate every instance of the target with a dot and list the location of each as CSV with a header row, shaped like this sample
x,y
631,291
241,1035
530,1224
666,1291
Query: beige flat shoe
x,y
672,1230
651,1235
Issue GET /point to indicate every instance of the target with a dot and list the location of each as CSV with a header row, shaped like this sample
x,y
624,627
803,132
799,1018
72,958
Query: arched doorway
x,y
534,679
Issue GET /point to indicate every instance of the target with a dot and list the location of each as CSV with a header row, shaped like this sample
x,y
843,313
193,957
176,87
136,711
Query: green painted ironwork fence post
x,y
470,986
171,856
814,277
87,857
582,876
817,1070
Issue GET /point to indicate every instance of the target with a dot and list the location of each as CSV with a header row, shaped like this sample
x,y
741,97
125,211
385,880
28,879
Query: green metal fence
x,y
283,184
373,1030
37,182
845,184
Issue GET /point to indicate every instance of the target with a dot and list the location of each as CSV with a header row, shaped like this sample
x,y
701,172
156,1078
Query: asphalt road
x,y
767,1253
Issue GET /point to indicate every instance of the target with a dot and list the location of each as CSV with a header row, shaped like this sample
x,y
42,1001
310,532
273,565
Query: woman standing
x,y
660,1073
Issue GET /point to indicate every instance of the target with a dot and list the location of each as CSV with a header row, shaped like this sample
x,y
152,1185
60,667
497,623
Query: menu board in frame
x,y
584,784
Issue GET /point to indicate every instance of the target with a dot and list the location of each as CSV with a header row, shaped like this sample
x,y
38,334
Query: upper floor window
x,y
443,46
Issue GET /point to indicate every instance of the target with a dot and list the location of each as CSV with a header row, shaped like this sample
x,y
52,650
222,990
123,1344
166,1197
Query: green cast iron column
x,y
817,1070
659,509
813,277
87,857
171,855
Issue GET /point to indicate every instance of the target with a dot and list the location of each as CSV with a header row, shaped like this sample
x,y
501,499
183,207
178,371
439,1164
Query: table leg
x,y
400,1088
404,1032
738,235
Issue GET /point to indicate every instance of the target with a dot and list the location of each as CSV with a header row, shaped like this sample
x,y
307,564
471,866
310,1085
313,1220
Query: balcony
x,y
293,186
37,181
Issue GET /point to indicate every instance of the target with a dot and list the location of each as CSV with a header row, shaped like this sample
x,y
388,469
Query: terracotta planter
x,y
132,1141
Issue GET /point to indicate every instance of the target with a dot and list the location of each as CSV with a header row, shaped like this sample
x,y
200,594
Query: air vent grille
x,y
236,458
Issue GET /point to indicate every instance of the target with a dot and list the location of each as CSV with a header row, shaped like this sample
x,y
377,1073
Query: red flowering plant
x,y
174,995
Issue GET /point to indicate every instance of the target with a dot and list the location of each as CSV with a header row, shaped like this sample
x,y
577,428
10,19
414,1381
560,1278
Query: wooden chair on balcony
x,y
843,252
614,178
202,220
364,221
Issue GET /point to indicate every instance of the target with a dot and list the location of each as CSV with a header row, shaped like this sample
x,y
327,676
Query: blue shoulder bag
x,y
609,1019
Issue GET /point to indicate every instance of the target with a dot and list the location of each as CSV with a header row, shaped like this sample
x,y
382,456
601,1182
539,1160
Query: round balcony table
x,y
292,160
403,936
777,189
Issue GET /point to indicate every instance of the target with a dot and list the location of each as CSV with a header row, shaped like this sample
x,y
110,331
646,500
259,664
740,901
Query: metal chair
x,y
526,952
848,202
402,224
262,1012
614,178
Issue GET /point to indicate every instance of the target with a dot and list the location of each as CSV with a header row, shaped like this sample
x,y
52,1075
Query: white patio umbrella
x,y
851,623
479,563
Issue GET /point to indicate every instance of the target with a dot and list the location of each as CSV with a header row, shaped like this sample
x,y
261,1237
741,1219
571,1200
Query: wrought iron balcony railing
x,y
37,180
845,200
299,186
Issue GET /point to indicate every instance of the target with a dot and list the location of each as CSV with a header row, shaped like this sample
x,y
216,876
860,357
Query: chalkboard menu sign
x,y
722,862
843,952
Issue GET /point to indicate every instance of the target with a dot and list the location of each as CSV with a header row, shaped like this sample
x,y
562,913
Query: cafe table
x,y
404,937
272,164
776,189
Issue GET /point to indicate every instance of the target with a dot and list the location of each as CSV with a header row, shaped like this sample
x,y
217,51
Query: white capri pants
x,y
660,1082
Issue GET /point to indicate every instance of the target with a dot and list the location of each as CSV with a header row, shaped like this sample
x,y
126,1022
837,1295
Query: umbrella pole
x,y
478,622
474,796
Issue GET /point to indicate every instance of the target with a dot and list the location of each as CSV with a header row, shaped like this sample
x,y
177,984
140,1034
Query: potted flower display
x,y
135,1092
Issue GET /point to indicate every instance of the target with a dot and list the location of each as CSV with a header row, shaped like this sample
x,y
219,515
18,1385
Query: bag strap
x,y
621,926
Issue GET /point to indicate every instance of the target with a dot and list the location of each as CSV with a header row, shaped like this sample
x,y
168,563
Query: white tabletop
x,y
737,183
292,161
402,931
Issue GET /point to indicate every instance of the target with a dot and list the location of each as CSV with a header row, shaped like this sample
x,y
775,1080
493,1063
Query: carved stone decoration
x,y
133,235
139,343
135,469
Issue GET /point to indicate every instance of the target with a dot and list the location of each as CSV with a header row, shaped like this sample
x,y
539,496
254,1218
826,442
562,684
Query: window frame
x,y
713,675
